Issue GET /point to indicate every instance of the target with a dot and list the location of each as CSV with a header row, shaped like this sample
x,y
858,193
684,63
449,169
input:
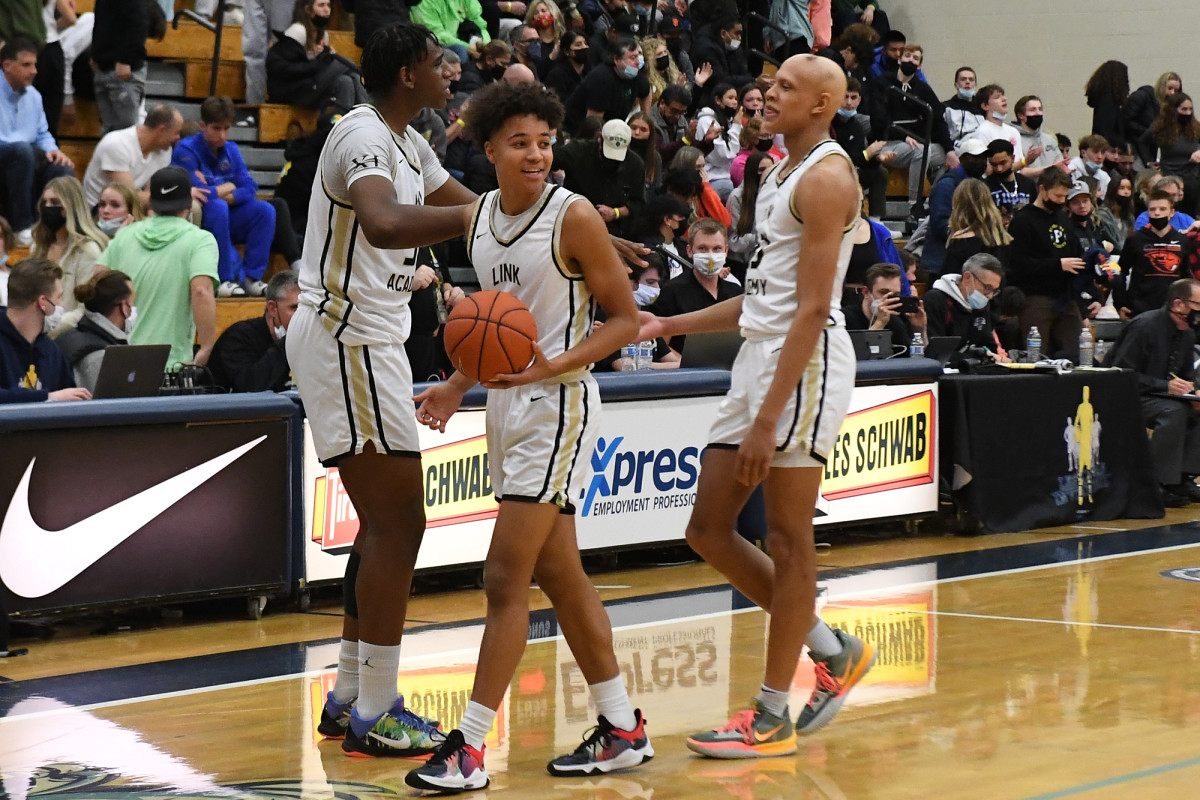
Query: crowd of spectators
x,y
663,135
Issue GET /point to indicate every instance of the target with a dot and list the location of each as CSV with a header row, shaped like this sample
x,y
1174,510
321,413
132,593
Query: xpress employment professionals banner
x,y
642,477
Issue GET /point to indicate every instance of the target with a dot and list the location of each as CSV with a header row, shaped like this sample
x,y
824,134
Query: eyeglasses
x,y
988,290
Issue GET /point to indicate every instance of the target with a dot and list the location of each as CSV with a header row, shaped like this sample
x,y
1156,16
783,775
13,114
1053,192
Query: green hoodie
x,y
162,255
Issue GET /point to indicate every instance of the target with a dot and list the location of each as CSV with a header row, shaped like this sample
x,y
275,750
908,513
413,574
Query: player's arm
x,y
451,193
389,224
827,200
722,316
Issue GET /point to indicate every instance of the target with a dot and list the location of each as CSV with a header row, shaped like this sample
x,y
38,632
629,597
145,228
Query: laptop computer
x,y
871,345
941,348
131,370
717,349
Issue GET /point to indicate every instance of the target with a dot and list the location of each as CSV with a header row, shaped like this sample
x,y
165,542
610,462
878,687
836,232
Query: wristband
x,y
460,122
616,213
685,141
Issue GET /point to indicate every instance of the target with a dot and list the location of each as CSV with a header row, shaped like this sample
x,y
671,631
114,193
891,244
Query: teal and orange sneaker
x,y
836,676
397,733
454,767
753,733
606,749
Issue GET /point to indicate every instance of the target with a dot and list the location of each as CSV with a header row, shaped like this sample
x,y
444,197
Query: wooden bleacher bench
x,y
231,78
86,124
190,41
236,309
898,184
273,120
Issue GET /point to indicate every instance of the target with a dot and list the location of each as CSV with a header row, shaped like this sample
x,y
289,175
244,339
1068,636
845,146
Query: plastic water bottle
x,y
1086,348
1034,345
917,348
645,354
630,353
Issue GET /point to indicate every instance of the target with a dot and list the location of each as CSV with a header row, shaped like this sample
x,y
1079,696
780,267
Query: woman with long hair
x,y
568,65
709,202
643,140
720,124
1142,107
742,236
302,69
546,18
1106,92
975,226
660,66
66,235
1175,136
1116,212
119,205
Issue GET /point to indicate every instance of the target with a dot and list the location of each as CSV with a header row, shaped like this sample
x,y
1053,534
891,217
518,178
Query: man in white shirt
x,y
1090,162
993,106
961,114
131,155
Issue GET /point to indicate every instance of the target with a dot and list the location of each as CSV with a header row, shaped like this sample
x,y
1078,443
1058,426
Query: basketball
x,y
490,333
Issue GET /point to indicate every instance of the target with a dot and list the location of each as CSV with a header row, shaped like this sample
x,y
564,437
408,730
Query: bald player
x,y
788,394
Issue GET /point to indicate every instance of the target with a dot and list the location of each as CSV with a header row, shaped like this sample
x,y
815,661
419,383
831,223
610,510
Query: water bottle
x,y
1034,345
645,354
630,353
1086,348
917,348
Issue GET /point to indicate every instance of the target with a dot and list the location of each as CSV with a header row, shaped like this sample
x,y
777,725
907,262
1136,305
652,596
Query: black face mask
x,y
890,63
1185,120
453,87
1034,121
639,146
763,145
1004,176
1194,320
662,63
1081,218
1160,223
1052,206
320,22
908,68
497,71
579,56
54,218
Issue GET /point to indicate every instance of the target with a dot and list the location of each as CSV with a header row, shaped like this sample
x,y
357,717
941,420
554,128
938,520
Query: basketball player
x,y
548,247
789,392
379,194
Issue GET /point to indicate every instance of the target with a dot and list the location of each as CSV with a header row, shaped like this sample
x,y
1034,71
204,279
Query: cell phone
x,y
910,304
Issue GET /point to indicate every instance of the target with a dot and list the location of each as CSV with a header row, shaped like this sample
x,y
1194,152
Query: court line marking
x,y
1117,780
1097,528
711,615
1001,618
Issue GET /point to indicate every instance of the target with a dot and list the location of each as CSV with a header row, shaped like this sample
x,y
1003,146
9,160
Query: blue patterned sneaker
x,y
335,718
397,733
606,749
454,767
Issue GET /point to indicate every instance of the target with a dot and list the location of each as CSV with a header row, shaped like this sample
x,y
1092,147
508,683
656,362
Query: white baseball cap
x,y
972,147
615,136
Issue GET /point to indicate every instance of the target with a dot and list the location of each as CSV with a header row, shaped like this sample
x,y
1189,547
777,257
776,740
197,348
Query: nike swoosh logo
x,y
35,562
400,744
166,190
762,737
539,397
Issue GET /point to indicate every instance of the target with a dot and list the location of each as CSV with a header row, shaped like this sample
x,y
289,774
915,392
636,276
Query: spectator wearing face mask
x,y
612,90
568,70
720,46
972,164
528,50
1142,107
1090,161
1010,189
961,114
110,312
720,127
66,235
1041,149
1175,137
489,66
993,107
957,305
32,368
1153,258
700,287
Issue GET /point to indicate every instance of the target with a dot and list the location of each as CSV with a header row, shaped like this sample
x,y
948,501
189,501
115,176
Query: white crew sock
x,y
612,702
378,666
345,686
773,700
822,642
476,724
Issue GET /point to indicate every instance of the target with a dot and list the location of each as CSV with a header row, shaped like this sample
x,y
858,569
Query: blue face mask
x,y
534,50
629,72
977,300
847,113
966,94
996,115
641,61
3,259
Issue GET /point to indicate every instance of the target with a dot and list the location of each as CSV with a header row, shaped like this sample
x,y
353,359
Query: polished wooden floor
x,y
1043,665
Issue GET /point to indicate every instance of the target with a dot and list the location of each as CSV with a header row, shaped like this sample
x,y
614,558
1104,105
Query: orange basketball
x,y
490,333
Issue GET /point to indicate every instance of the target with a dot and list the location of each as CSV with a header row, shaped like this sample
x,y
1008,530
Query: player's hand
x,y
541,369
631,251
438,403
755,454
1176,386
70,394
452,295
650,327
424,276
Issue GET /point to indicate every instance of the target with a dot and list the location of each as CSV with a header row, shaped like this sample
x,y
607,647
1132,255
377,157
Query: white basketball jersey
x,y
520,255
770,301
361,293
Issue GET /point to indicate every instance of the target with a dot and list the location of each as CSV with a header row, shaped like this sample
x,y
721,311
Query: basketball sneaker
x,y
397,733
836,676
335,718
606,749
753,733
454,767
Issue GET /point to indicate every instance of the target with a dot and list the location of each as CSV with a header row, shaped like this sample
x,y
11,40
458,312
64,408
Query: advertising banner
x,y
643,474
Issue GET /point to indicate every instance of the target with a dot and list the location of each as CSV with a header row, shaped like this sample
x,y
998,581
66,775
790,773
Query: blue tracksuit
x,y
246,221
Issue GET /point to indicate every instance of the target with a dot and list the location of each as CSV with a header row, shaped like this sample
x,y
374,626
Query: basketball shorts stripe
x,y
540,440
352,394
814,412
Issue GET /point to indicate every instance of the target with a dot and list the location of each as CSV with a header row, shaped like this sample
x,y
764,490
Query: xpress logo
x,y
625,480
